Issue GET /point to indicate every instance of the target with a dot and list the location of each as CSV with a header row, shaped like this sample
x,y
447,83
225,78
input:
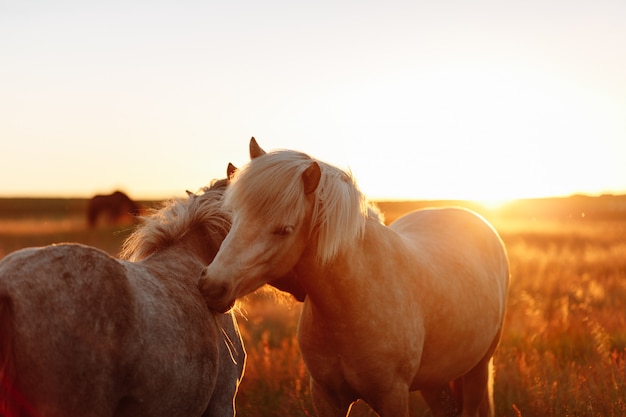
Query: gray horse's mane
x,y
164,226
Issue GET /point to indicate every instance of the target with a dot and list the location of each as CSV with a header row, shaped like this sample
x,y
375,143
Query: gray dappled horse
x,y
84,334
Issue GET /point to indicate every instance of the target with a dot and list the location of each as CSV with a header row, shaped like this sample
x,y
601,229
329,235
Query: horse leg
x,y
477,386
443,401
392,403
328,404
477,392
487,406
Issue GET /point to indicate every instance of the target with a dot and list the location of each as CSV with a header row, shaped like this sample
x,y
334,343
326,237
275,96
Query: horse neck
x,y
186,256
290,284
340,284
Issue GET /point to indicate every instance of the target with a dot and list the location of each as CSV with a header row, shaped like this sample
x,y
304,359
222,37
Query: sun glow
x,y
484,135
495,204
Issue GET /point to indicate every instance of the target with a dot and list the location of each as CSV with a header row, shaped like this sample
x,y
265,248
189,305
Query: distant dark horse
x,y
113,207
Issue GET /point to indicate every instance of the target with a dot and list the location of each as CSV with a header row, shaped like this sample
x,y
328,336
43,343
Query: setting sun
x,y
494,204
482,134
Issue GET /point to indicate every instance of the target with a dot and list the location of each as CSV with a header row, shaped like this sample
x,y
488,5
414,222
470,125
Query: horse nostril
x,y
213,291
221,290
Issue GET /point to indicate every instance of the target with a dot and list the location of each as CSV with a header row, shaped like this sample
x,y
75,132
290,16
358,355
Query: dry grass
x,y
563,351
20,233
564,345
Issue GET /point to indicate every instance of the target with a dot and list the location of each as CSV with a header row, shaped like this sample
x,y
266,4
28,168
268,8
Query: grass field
x,y
563,351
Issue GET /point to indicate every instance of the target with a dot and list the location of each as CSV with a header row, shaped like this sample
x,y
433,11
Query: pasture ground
x,y
563,351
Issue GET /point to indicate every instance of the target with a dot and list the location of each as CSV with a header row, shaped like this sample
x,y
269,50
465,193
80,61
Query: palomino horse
x,y
418,305
111,208
83,334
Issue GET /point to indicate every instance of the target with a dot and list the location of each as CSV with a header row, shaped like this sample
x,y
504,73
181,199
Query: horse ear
x,y
230,171
311,177
255,149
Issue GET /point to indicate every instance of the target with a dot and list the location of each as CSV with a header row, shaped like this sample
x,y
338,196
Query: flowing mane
x,y
164,226
270,188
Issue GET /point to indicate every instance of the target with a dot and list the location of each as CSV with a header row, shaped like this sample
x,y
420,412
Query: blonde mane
x,y
170,223
270,187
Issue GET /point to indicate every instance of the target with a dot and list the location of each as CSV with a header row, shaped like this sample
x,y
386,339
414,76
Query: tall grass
x,y
563,350
564,345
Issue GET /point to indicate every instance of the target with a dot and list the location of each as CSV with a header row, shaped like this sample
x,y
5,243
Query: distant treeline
x,y
19,208
606,207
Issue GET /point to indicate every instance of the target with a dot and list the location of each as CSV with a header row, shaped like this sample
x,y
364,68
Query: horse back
x,y
451,237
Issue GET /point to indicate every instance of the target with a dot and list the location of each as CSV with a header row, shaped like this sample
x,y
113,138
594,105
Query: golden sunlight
x,y
495,204
480,135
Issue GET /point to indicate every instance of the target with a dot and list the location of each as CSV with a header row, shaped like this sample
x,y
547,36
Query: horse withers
x,y
84,334
417,305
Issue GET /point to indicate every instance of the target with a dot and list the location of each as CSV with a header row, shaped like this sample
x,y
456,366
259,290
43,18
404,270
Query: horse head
x,y
271,226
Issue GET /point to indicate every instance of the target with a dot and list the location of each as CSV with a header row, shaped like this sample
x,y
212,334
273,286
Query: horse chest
x,y
356,351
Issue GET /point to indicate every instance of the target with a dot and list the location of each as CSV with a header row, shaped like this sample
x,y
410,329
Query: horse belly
x,y
459,289
454,347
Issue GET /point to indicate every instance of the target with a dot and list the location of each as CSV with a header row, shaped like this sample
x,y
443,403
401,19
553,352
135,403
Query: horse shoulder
x,y
231,365
173,322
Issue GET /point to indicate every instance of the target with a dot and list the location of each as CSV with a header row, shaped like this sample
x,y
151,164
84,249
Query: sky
x,y
486,100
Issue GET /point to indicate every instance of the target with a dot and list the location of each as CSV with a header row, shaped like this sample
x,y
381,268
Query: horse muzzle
x,y
216,295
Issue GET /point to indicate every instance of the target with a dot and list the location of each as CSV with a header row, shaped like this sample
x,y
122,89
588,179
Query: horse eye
x,y
283,230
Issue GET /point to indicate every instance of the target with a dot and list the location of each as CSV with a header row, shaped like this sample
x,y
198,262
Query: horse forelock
x,y
164,226
270,188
